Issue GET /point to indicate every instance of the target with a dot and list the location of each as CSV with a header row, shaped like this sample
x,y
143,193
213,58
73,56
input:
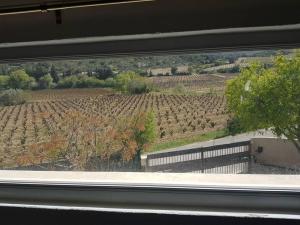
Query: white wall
x,y
277,152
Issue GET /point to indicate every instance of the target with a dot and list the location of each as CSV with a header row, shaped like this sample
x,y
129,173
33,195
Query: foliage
x,y
130,82
123,79
104,72
139,132
110,82
100,66
234,126
3,81
268,98
37,70
173,70
93,142
46,82
234,69
54,74
68,82
12,97
138,86
82,81
19,79
89,82
145,129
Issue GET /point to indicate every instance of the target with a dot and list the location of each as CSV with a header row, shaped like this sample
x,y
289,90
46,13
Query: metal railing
x,y
225,158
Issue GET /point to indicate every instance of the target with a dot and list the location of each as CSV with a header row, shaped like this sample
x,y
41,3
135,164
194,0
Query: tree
x,y
3,81
132,83
37,70
19,79
268,98
174,70
4,69
46,82
54,74
123,80
144,133
104,72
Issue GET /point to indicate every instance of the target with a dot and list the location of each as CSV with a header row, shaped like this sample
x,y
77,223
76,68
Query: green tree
x,y
4,69
174,70
132,83
19,79
268,97
3,81
54,74
144,127
123,80
104,72
46,82
37,70
148,133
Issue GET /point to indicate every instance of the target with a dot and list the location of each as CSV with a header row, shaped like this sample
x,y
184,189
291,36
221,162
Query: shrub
x,y
12,97
89,82
110,82
68,82
174,70
3,81
138,87
104,72
132,83
234,126
235,69
19,79
46,82
83,81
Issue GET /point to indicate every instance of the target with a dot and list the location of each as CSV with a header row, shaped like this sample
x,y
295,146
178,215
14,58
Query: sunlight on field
x,y
177,116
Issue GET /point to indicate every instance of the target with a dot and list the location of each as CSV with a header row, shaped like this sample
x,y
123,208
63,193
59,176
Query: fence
x,y
225,158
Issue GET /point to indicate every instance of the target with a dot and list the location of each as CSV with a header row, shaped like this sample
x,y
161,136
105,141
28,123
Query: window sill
x,y
267,196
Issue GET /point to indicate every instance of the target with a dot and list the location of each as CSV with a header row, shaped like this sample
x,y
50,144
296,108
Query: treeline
x,y
126,82
103,68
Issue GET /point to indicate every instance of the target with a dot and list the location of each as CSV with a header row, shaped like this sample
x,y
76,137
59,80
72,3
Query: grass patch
x,y
188,140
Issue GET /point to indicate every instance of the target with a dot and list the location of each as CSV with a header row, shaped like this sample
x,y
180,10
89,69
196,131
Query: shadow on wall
x,y
275,152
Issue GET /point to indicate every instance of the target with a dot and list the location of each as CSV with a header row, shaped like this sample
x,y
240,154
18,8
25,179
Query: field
x,y
201,83
177,116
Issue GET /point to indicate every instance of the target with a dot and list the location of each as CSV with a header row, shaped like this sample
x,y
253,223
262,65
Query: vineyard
x,y
62,94
176,115
194,82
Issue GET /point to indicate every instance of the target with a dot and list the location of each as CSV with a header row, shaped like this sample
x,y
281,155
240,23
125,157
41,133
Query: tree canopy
x,y
19,79
268,98
46,81
132,83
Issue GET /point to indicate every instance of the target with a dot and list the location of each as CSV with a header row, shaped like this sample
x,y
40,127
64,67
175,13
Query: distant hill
x,y
141,64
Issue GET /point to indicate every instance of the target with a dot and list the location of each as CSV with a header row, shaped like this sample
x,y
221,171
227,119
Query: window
x,y
226,112
197,108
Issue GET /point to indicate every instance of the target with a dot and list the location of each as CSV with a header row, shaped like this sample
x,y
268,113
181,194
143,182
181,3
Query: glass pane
x,y
225,112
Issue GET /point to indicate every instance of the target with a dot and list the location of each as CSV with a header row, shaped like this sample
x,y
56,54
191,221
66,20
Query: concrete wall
x,y
276,152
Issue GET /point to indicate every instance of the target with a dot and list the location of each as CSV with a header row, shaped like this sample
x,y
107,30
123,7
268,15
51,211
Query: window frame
x,y
146,197
251,196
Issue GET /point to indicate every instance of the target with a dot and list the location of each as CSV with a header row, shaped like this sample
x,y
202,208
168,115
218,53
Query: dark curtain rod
x,y
45,7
